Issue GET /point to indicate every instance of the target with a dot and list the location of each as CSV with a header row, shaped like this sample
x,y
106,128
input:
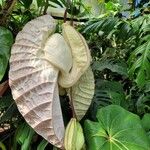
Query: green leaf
x,y
27,143
117,66
40,3
147,86
26,3
146,121
104,24
42,145
116,129
140,64
24,135
6,41
5,101
146,124
2,146
143,104
106,93
58,3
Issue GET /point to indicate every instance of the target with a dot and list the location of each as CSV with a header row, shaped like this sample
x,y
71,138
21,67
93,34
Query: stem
x,y
72,6
69,19
3,87
40,11
45,8
6,11
71,104
65,16
65,13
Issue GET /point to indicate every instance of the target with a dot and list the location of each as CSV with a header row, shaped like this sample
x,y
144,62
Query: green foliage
x,y
104,24
26,3
120,48
116,129
2,146
143,104
42,145
106,93
146,124
24,135
139,59
8,109
116,66
5,101
6,40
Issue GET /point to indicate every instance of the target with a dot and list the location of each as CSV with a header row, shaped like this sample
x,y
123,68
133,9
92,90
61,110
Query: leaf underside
x,y
33,81
82,93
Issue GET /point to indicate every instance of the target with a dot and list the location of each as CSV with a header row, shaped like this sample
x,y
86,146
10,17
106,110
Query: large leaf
x,y
6,41
80,56
34,68
106,93
82,93
139,61
116,129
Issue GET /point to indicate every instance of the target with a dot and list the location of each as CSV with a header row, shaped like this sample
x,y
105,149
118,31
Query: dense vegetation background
x,y
118,34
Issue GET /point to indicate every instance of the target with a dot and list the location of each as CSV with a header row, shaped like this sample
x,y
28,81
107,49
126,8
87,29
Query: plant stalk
x,y
46,7
71,104
6,11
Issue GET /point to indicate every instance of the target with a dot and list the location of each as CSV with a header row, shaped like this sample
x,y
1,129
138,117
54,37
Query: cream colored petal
x,y
80,55
58,53
82,92
33,81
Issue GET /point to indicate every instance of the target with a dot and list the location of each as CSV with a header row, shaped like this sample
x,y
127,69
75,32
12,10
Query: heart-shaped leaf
x,y
33,78
116,129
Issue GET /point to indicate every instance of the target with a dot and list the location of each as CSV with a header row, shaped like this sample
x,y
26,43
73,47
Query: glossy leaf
x,y
6,41
116,129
